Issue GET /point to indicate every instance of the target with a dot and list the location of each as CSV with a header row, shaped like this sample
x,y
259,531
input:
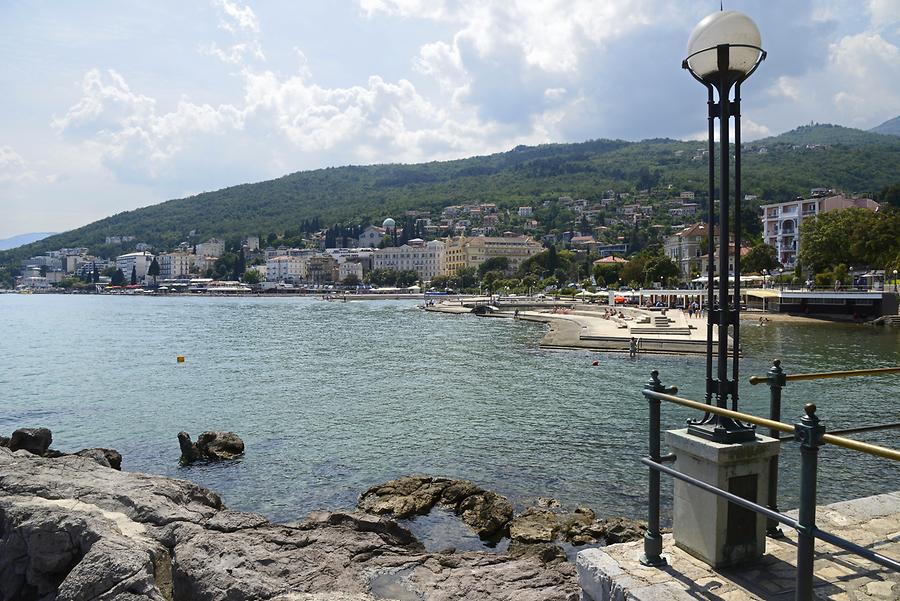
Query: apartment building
x,y
140,261
686,248
286,269
176,265
428,259
472,252
781,221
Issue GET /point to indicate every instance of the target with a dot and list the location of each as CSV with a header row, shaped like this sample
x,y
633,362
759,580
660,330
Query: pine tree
x,y
134,275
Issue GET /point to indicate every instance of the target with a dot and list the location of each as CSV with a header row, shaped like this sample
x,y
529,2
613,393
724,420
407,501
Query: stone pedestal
x,y
707,526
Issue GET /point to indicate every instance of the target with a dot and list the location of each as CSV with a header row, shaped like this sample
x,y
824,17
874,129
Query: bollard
x,y
808,433
776,379
653,538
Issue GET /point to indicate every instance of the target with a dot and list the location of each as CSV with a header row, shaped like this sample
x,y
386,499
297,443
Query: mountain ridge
x,y
775,168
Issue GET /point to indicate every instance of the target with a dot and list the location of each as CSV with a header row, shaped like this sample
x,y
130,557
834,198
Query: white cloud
x,y
236,18
13,168
884,13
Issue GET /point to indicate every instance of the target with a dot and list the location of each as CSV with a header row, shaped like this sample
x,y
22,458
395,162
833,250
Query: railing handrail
x,y
875,371
839,441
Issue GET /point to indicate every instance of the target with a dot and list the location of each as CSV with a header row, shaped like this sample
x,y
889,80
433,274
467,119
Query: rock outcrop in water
x,y
210,446
487,513
491,515
71,528
37,442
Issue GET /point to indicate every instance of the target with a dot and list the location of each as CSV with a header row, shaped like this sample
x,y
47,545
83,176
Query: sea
x,y
332,398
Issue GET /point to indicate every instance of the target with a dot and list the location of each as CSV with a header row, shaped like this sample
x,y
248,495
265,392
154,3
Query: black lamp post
x,y
724,49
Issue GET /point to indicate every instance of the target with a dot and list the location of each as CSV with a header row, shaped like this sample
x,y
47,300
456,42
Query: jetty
x,y
580,325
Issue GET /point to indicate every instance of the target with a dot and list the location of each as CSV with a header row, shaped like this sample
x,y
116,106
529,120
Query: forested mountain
x,y
890,127
775,169
14,241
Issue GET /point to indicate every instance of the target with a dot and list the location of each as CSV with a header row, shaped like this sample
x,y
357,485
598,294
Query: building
x,y
251,243
781,221
211,248
428,259
704,261
322,269
347,269
371,237
175,265
286,269
472,252
685,249
525,212
139,261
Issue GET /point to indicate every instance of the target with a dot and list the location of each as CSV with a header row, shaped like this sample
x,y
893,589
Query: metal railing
x,y
809,432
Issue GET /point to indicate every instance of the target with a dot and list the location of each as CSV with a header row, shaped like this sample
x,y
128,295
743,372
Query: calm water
x,y
332,398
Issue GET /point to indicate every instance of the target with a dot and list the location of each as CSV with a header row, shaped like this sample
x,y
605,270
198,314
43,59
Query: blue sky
x,y
109,105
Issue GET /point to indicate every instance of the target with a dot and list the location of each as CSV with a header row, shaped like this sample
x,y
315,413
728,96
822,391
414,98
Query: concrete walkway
x,y
615,573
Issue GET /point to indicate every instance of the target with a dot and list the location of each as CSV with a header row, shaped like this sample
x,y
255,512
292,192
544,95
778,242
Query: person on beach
x,y
633,348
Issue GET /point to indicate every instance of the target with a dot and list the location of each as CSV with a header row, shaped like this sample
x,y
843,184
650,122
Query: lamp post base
x,y
723,432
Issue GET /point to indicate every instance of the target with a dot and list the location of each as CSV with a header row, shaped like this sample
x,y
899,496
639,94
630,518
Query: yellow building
x,y
472,252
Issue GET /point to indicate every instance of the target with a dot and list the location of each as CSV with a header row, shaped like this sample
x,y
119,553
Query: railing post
x,y
808,432
776,380
653,538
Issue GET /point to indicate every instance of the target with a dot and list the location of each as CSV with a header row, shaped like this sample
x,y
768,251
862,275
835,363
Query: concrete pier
x,y
614,573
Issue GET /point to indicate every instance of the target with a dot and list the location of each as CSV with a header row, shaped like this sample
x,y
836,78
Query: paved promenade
x,y
614,572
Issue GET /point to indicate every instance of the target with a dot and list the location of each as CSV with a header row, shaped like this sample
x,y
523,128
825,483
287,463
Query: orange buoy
x,y
180,358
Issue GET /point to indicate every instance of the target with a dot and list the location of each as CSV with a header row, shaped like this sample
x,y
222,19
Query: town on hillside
x,y
651,238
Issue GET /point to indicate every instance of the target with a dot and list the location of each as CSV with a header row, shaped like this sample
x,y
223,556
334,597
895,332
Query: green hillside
x,y
851,160
890,127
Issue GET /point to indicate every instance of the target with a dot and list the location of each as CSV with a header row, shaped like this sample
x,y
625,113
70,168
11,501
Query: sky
x,y
110,105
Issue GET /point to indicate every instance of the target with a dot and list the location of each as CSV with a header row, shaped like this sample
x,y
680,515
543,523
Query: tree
x,y
351,280
117,278
633,271
467,277
95,276
407,278
851,236
760,257
890,195
134,275
493,264
153,270
240,266
251,276
491,280
660,269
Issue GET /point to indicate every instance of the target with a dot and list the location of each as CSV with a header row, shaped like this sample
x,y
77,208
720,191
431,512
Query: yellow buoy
x,y
180,358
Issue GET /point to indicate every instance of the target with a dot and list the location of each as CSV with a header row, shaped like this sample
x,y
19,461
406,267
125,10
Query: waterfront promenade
x,y
615,572
596,326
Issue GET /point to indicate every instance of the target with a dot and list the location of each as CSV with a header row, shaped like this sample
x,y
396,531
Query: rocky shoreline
x,y
74,528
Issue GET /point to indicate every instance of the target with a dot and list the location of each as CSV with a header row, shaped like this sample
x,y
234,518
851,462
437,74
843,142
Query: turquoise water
x,y
332,398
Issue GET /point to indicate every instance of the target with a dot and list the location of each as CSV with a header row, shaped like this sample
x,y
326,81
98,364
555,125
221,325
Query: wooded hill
x,y
775,169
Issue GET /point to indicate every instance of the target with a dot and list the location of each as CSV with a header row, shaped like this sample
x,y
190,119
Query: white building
x,y
371,237
211,248
140,261
525,212
287,269
685,248
347,269
175,265
781,221
425,258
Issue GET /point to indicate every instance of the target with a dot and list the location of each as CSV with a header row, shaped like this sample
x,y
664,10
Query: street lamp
x,y
895,280
724,49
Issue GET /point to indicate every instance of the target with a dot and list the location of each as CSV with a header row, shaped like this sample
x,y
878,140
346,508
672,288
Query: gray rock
x,y
220,445
487,513
33,440
211,446
534,526
105,457
73,529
